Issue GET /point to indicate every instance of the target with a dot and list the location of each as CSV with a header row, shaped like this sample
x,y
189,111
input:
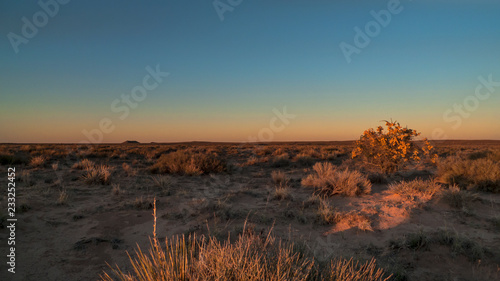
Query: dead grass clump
x,y
330,181
83,164
97,175
63,197
186,162
354,219
457,198
348,270
423,190
481,174
304,159
282,192
326,213
162,181
279,177
251,161
282,160
38,161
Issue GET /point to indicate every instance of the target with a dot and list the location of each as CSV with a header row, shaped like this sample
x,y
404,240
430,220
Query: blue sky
x,y
226,76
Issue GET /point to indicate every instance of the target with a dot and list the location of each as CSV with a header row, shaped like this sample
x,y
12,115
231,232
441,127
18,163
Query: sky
x,y
240,70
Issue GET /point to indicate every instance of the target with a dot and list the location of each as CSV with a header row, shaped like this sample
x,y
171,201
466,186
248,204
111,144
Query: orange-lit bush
x,y
391,150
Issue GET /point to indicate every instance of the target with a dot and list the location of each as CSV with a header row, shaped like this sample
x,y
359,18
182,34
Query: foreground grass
x,y
252,257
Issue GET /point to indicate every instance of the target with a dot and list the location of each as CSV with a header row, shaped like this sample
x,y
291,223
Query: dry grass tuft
x,y
330,181
63,197
83,164
279,178
97,175
282,160
187,162
348,270
38,161
282,192
416,189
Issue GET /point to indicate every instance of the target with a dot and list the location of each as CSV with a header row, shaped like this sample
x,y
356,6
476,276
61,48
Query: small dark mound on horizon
x,y
130,142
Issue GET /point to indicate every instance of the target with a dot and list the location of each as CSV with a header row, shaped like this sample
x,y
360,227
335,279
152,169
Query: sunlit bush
x,y
391,150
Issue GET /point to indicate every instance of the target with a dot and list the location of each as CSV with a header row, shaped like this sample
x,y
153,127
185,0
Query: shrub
x,y
189,163
391,150
482,174
415,189
329,181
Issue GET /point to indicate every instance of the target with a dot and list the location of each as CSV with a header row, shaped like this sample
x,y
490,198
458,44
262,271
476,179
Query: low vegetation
x,y
188,162
250,257
418,189
481,174
97,175
329,181
393,149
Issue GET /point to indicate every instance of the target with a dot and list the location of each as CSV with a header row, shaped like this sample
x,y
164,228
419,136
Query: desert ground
x,y
82,207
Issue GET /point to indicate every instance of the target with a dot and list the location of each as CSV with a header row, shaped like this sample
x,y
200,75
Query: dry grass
x,y
83,164
330,181
38,161
279,178
481,174
282,192
63,197
349,270
417,189
250,257
304,159
188,162
97,175
282,160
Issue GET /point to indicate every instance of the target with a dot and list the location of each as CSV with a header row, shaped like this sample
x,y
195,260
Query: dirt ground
x,y
68,229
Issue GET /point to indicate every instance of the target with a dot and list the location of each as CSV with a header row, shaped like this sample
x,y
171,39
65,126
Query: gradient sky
x,y
226,77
